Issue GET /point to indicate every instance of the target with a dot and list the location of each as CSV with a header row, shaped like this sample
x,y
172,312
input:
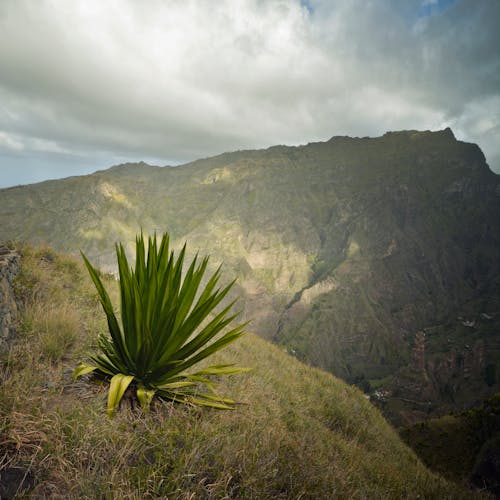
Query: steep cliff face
x,y
417,279
344,250
458,367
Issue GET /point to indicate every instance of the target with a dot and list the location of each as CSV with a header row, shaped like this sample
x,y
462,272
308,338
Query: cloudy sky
x,y
88,84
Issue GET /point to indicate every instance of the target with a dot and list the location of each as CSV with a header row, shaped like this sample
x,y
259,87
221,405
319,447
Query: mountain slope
x,y
376,259
298,432
462,447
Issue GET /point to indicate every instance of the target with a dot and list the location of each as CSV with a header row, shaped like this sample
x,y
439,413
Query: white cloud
x,y
9,142
480,122
178,80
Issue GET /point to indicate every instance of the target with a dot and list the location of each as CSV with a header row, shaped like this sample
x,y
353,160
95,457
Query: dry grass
x,y
54,328
298,432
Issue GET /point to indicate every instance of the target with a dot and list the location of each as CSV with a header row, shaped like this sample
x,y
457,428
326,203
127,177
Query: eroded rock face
x,y
9,268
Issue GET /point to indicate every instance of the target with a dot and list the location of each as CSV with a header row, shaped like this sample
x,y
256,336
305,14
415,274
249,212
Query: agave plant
x,y
169,323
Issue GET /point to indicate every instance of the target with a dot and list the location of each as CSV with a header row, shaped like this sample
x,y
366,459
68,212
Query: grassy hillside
x,y
346,251
298,432
463,446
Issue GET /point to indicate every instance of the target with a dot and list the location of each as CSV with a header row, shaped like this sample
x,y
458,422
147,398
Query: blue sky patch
x,y
430,8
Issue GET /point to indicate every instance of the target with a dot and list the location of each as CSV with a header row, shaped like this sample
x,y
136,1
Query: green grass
x,y
297,432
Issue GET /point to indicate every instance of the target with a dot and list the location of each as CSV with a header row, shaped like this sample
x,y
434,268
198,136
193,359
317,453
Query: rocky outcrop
x,y
9,268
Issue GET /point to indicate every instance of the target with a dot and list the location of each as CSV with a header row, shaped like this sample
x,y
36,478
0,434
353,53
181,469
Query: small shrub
x,y
165,328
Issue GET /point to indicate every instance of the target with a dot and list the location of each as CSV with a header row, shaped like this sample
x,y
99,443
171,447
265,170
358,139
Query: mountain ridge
x,y
344,250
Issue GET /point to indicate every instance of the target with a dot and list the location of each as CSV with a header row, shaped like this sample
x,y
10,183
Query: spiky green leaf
x,y
83,369
169,323
117,387
145,396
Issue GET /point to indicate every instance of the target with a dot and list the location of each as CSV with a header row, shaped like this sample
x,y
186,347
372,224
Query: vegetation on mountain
x,y
299,432
373,258
163,308
463,446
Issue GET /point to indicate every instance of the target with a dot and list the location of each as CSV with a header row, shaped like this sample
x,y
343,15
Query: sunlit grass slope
x,y
298,432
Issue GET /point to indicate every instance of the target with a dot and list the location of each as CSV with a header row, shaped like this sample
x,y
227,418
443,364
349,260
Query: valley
x,y
376,259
